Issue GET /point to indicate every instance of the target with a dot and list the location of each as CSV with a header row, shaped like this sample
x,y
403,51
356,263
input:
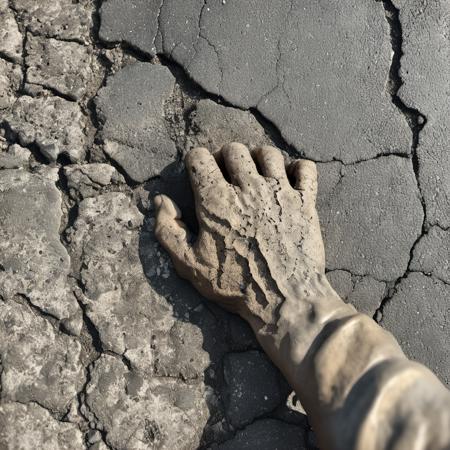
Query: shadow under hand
x,y
206,343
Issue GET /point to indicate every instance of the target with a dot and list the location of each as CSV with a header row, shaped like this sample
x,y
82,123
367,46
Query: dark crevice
x,y
128,180
96,22
57,415
192,89
121,356
91,329
55,92
13,138
82,405
54,321
432,276
416,120
356,276
8,58
63,160
70,207
127,48
439,226
196,92
378,316
23,64
56,37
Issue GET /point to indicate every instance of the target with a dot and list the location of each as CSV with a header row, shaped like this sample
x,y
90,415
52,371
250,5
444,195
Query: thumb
x,y
172,233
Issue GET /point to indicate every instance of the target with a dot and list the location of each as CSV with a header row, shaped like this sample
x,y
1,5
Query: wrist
x,y
298,321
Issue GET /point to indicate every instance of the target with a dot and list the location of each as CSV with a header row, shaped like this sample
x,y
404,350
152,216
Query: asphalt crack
x,y
416,121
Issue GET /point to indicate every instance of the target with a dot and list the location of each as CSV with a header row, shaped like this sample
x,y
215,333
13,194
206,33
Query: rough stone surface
x,y
342,282
367,295
39,364
425,72
10,36
10,80
266,434
419,317
371,215
134,130
282,59
364,293
63,19
139,413
55,125
322,75
30,426
432,254
133,22
211,125
14,157
105,245
89,180
34,262
252,387
65,67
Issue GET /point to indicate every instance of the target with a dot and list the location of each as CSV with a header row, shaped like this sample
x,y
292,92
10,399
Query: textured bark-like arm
x,y
356,385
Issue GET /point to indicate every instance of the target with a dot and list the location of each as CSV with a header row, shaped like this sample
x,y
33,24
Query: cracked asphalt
x,y
102,346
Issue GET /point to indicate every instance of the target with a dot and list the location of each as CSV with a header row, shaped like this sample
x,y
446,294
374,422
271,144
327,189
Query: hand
x,y
259,239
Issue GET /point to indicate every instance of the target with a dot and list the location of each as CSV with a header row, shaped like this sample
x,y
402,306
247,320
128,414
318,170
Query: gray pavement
x,y
102,346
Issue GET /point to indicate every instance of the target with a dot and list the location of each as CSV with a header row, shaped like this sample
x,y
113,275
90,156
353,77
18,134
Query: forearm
x,y
355,383
258,254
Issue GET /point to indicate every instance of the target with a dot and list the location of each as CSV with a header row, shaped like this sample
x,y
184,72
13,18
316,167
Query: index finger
x,y
203,170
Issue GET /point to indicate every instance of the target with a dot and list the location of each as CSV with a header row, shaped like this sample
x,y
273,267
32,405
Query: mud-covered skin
x,y
260,254
254,233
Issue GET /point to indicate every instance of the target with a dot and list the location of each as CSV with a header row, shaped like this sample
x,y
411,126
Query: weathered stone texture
x,y
33,261
252,387
432,254
419,317
211,125
371,215
29,426
173,372
131,21
39,364
425,72
282,59
131,108
66,67
139,412
105,245
267,434
14,157
89,180
55,125
364,293
10,80
10,36
63,19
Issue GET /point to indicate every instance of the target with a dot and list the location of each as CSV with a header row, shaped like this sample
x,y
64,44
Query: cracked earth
x,y
102,346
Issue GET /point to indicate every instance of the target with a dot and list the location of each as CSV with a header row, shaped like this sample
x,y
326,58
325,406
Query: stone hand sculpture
x,y
259,253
